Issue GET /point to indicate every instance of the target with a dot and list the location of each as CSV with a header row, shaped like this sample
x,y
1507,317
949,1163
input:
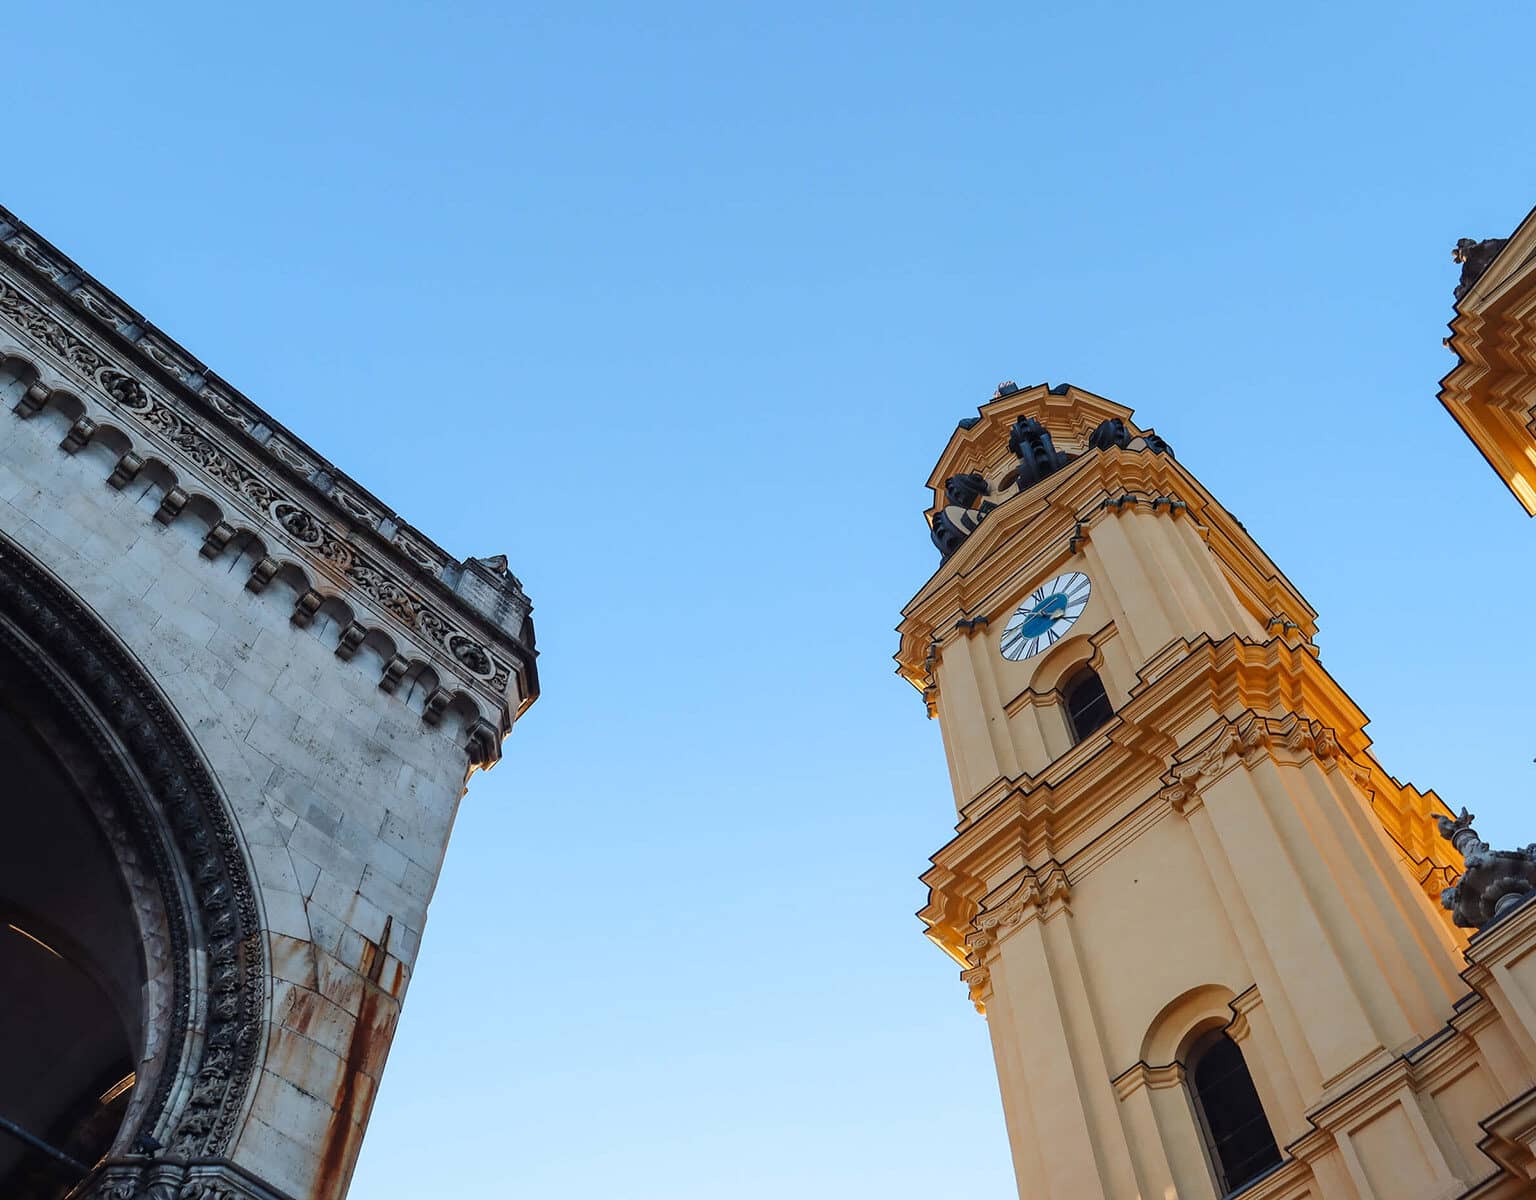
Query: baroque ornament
x,y
1494,882
1238,740
965,494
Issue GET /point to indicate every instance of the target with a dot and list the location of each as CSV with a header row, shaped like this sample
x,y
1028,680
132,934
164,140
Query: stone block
x,y
286,912
305,1011
285,1163
293,960
390,897
307,1065
283,1105
306,871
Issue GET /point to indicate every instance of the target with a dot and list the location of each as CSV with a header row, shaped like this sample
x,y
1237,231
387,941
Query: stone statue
x,y
947,536
1494,882
1110,433
1038,457
965,490
1475,258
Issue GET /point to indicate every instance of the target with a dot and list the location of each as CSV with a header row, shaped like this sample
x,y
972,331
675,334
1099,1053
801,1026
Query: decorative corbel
x,y
32,401
978,983
351,638
483,743
1182,796
78,435
216,539
126,471
394,671
305,608
262,574
436,704
171,505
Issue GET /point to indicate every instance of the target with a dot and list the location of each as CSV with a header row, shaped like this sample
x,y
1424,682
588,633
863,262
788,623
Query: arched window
x,y
1086,705
1237,1133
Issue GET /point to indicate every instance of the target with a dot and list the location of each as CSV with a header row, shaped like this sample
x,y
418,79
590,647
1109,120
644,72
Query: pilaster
x,y
1031,973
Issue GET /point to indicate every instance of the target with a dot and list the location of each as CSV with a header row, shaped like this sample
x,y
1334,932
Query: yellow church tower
x,y
1209,933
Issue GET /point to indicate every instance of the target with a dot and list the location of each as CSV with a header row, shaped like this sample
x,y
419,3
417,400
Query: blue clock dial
x,y
1046,615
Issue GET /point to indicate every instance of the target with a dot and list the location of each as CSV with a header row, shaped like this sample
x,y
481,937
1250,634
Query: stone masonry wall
x,y
343,795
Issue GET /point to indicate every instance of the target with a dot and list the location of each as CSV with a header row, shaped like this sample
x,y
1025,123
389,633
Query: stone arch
x,y
201,953
1184,1020
1069,655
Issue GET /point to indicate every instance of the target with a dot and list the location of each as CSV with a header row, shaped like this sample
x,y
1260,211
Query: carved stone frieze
x,y
175,1179
484,654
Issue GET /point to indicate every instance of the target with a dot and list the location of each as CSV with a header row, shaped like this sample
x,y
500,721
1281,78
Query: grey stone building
x,y
239,702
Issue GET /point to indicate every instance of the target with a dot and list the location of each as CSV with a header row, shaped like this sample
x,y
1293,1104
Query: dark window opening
x,y
1086,704
1238,1136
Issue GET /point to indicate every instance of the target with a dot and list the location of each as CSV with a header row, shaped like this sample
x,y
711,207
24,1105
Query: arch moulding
x,y
183,865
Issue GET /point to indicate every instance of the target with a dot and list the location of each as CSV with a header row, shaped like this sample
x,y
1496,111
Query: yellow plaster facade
x,y
1223,853
1492,390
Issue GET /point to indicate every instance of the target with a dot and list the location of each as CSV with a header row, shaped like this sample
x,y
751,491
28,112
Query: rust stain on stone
x,y
361,1068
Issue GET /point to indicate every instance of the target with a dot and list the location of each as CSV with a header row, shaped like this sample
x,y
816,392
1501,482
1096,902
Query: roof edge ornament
x,y
966,503
1475,258
1494,882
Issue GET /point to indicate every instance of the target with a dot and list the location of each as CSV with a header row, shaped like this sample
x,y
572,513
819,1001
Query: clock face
x,y
1046,615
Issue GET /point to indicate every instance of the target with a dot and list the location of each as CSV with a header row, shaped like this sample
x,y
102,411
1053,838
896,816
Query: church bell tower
x,y
1203,923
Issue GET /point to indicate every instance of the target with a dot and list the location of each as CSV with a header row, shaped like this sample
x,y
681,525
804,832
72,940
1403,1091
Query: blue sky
x,y
676,305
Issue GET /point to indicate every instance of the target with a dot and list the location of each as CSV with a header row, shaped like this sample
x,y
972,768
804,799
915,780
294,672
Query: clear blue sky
x,y
676,304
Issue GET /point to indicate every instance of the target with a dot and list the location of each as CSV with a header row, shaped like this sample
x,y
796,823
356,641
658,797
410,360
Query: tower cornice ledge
x,y
1231,699
163,416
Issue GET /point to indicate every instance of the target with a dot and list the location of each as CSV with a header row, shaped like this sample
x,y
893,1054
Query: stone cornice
x,y
1504,940
1056,807
1114,786
1035,532
1491,392
1034,895
1244,741
131,384
1139,1076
